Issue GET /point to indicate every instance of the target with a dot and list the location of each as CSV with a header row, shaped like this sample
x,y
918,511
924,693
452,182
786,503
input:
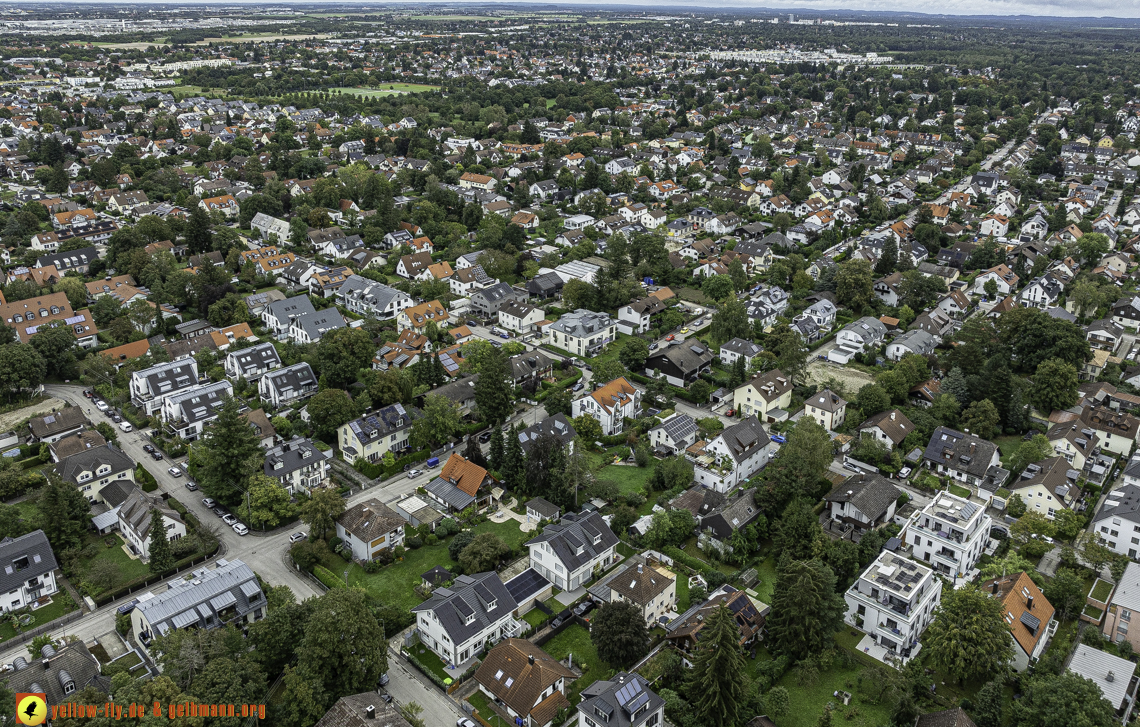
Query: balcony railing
x,y
952,536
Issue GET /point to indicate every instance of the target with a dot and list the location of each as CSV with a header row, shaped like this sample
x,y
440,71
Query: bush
x,y
414,542
145,479
327,577
431,539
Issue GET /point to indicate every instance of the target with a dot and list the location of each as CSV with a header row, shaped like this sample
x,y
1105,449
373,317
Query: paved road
x,y
407,685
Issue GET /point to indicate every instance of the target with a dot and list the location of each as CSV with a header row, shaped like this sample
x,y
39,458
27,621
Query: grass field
x,y
61,603
576,640
391,89
395,584
629,478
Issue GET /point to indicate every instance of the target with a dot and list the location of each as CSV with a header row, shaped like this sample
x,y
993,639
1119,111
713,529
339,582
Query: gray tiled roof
x,y
35,547
92,459
383,422
71,663
745,438
59,421
291,456
870,494
449,493
582,322
469,594
619,699
261,356
231,579
960,451
292,378
557,426
298,305
576,532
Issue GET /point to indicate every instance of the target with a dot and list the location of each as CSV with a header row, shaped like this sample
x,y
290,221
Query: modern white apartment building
x,y
950,534
893,602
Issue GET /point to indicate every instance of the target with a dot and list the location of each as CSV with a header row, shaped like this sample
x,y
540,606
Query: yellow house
x,y
763,394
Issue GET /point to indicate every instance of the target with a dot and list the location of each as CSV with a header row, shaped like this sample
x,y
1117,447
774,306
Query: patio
x,y
868,646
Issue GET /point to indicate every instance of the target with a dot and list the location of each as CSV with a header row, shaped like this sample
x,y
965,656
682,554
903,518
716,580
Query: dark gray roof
x,y
91,460
494,293
870,494
200,403
1123,502
383,422
64,261
469,595
298,305
960,451
35,548
449,493
745,438
116,493
525,364
71,662
686,357
679,427
291,456
543,507
292,378
458,391
577,539
741,347
170,376
261,356
625,701
59,421
558,426
370,520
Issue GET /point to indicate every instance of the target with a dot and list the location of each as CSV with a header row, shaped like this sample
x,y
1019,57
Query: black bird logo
x,y
31,710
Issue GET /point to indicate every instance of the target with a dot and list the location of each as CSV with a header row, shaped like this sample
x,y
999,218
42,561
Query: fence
x,y
41,629
130,588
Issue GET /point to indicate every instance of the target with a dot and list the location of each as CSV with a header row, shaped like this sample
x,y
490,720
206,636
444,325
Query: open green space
x,y
766,569
61,603
576,640
482,705
390,89
395,584
1100,591
428,658
629,479
959,491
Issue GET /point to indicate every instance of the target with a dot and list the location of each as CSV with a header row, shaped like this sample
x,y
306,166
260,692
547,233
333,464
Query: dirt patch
x,y
852,380
9,421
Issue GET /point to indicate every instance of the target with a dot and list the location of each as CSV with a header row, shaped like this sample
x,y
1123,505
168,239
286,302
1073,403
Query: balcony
x,y
946,555
952,536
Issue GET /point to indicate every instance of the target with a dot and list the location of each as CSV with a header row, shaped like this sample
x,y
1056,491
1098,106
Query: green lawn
x,y
576,640
1007,446
129,568
959,491
682,592
629,479
481,704
428,658
811,699
1100,591
388,89
394,584
61,603
766,569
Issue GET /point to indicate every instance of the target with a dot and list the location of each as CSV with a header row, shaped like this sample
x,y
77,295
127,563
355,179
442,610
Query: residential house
x,y
525,681
417,317
582,332
252,363
611,405
675,434
284,386
186,413
863,501
767,396
827,408
461,484
1125,601
961,456
1104,334
738,348
29,570
1113,675
645,583
893,601
58,424
1028,615
368,298
571,552
1116,431
685,630
529,369
93,469
949,533
370,528
557,426
636,317
1005,279
486,302
298,465
373,435
65,669
135,515
520,317
680,363
1047,487
213,598
1073,442
859,336
916,341
1118,521
731,457
1042,292
889,427
457,621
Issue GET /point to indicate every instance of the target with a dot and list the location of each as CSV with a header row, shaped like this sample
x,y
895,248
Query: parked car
x,y
116,418
577,386
102,406
240,529
298,537
556,622
730,413
128,606
485,437
125,426
653,346
191,485
413,474
464,723
779,438
175,472
504,334
220,511
209,502
584,608
670,337
89,393
229,519
384,680
156,455
149,449
386,698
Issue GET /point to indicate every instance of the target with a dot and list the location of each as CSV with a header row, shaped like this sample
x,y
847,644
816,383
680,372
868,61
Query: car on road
x,y
504,334
684,330
102,406
670,337
779,438
191,485
149,449
577,386
413,474
229,518
156,455
699,322
485,437
298,537
128,606
89,393
383,681
241,529
464,723
209,502
220,511
653,346
125,426
175,472
115,417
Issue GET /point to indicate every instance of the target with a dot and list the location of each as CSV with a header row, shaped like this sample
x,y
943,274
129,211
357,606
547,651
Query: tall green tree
x,y
1049,700
806,610
344,649
161,559
730,321
438,421
619,634
718,679
885,265
321,511
493,391
495,451
1054,385
228,455
329,409
853,284
514,462
342,353
199,238
64,513
802,460
969,639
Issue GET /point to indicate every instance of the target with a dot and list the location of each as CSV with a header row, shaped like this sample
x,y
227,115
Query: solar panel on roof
x,y
637,703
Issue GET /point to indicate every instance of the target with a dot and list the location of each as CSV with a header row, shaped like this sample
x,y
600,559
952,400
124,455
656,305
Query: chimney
x,y
994,588
1111,676
530,659
370,712
47,664
892,416
1029,603
639,568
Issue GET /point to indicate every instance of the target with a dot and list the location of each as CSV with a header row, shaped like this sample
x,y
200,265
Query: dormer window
x,y
469,620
